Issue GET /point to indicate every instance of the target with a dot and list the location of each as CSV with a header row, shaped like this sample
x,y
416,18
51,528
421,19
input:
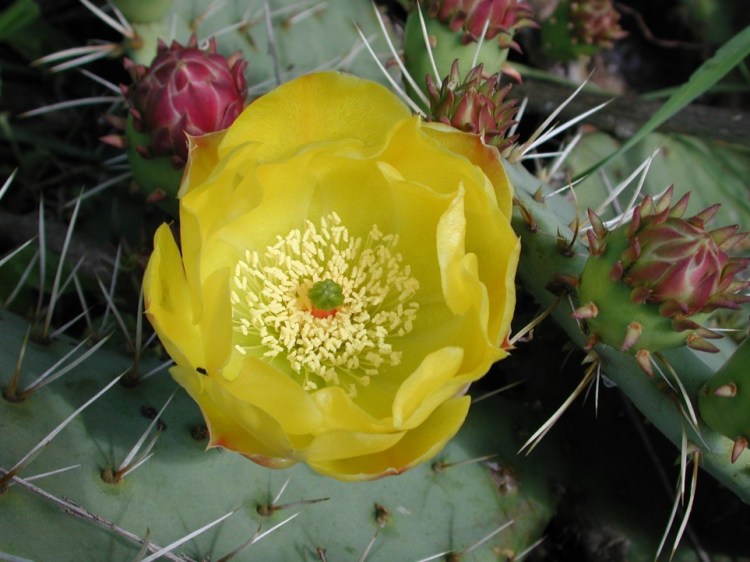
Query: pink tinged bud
x,y
674,272
501,17
473,105
595,22
186,90
680,263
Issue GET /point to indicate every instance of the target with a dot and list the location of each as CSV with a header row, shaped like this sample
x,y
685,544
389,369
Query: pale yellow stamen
x,y
272,310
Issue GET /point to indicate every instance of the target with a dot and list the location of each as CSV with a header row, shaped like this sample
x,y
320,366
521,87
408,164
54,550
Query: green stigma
x,y
326,295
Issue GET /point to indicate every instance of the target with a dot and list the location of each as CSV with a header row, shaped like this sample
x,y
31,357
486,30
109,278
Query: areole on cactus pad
x,y
650,284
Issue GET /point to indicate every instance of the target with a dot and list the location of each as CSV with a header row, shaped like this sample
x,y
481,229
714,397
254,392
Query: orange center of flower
x,y
325,304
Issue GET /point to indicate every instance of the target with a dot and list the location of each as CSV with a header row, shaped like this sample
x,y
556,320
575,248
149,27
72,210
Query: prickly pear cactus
x,y
134,477
190,64
658,277
556,237
551,252
103,457
185,90
280,39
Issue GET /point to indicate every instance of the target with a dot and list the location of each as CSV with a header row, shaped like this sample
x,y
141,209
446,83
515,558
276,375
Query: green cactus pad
x,y
711,171
724,401
447,507
307,36
541,220
616,310
446,47
143,11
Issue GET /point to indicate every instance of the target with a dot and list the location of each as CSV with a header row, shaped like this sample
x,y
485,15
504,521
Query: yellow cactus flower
x,y
345,271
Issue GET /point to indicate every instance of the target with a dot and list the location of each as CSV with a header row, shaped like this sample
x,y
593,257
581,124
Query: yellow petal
x,y
202,158
489,235
341,412
434,372
234,425
503,289
458,270
277,394
216,321
340,444
167,301
419,157
222,192
415,447
316,108
205,209
486,157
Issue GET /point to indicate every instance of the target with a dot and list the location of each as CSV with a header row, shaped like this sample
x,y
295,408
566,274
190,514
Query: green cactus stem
x,y
540,219
724,401
650,284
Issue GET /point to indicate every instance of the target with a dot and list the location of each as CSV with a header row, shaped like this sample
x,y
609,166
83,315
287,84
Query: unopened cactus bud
x,y
654,281
454,28
595,22
186,90
581,27
474,104
501,18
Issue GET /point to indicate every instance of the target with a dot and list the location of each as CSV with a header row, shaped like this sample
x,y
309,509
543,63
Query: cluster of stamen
x,y
275,294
